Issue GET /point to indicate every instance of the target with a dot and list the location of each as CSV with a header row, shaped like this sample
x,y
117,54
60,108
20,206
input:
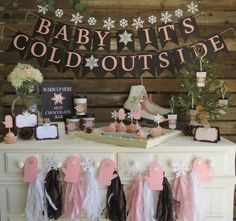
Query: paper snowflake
x,y
91,62
192,8
123,23
109,24
138,23
87,165
166,17
152,19
58,98
59,13
179,13
42,9
130,115
92,21
158,118
76,18
179,168
125,37
52,163
115,115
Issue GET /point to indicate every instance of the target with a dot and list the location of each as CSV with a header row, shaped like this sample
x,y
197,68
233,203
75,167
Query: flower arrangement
x,y
24,73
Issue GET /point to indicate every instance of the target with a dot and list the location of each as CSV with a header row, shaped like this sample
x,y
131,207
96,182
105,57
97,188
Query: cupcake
x,y
137,126
121,127
157,131
10,138
111,128
131,128
141,135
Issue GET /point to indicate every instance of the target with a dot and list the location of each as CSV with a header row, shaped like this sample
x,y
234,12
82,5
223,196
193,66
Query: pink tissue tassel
x,y
183,195
136,201
73,200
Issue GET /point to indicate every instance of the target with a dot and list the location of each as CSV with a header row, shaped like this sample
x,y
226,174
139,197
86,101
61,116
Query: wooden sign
x,y
57,99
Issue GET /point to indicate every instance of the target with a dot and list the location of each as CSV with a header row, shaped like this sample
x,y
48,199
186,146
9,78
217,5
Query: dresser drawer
x,y
13,159
219,161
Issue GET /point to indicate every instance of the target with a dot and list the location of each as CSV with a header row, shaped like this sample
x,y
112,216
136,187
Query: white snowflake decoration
x,y
123,23
192,8
91,62
59,13
152,19
179,168
125,37
87,165
109,24
130,115
138,23
166,17
115,114
52,163
130,168
42,9
179,13
76,18
92,21
158,118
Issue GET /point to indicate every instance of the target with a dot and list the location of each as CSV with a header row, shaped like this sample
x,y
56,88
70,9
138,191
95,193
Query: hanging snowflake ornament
x,y
179,168
123,23
59,13
138,23
42,9
91,62
76,18
52,163
152,19
166,17
92,21
87,164
179,13
125,37
109,24
158,119
192,8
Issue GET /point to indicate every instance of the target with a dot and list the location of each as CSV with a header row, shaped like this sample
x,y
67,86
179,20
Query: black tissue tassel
x,y
115,200
165,207
53,187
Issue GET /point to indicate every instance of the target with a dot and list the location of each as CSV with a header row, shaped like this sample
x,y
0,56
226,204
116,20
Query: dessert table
x,y
219,191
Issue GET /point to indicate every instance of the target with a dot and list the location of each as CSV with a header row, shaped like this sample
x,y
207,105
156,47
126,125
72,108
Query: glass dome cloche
x,y
26,80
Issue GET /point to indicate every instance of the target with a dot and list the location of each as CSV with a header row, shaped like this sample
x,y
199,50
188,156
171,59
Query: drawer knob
x,y
20,165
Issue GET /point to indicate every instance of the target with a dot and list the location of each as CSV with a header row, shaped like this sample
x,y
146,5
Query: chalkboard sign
x,y
57,99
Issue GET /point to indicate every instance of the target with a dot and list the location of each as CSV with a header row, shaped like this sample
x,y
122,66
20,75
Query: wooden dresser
x,y
219,192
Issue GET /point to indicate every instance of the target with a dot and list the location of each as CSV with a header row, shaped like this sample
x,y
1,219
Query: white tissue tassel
x,y
198,197
148,210
91,204
36,201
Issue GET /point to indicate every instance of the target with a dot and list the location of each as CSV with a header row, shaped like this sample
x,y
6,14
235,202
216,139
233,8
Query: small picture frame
x,y
26,119
207,134
46,132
